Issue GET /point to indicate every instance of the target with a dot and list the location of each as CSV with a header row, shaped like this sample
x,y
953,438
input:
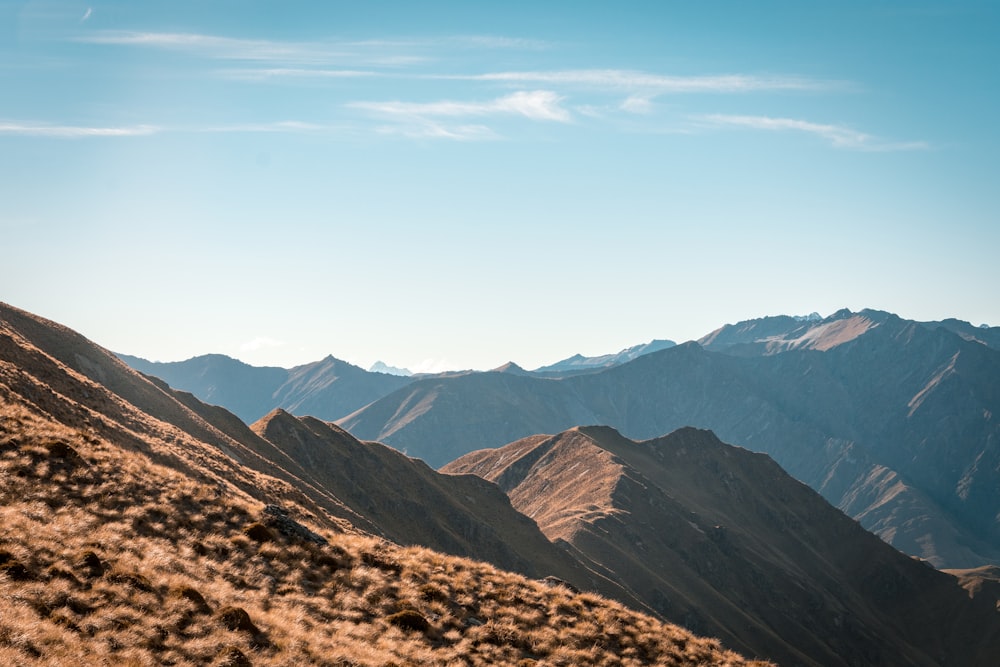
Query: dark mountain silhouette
x,y
329,388
896,422
724,541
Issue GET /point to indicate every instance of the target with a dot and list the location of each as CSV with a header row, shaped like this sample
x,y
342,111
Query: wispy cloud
x,y
838,135
75,131
87,14
650,83
427,129
288,126
263,74
387,53
536,105
255,50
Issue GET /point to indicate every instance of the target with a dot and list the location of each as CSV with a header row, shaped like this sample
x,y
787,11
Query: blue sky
x,y
458,184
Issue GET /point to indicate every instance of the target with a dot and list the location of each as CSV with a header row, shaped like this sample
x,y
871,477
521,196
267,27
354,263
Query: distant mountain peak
x,y
511,368
382,367
578,362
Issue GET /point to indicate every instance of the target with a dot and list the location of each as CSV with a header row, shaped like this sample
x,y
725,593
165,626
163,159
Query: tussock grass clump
x,y
142,564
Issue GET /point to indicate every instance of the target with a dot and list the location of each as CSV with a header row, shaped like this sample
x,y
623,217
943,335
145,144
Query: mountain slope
x,y
393,492
368,486
891,420
140,526
724,541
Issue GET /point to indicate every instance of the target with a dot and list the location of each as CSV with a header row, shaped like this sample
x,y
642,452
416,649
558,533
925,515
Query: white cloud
x,y
536,105
74,131
260,343
278,126
431,130
87,14
231,48
651,83
639,104
294,73
838,135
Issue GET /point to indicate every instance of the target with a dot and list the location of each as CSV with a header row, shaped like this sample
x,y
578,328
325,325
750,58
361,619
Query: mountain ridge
x,y
722,522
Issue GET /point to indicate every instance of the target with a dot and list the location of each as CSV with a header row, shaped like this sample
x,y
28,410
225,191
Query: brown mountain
x,y
393,493
140,527
723,540
894,422
365,485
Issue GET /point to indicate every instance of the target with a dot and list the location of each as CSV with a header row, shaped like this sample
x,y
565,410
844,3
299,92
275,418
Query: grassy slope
x,y
126,540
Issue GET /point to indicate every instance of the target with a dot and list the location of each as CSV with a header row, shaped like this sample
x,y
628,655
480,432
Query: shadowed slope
x,y
724,541
411,503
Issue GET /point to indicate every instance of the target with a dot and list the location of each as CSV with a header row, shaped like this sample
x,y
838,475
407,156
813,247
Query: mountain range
x,y
893,421
724,539
151,527
141,526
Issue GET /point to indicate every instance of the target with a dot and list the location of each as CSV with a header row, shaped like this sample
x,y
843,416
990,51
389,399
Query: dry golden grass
x,y
107,557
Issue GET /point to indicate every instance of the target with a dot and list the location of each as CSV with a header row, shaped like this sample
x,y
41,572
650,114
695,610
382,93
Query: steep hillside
x,y
469,517
368,486
896,423
724,541
142,527
329,388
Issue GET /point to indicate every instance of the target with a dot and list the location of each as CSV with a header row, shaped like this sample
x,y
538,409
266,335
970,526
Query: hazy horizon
x,y
454,186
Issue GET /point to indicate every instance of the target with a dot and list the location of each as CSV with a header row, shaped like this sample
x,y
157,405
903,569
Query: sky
x,y
451,185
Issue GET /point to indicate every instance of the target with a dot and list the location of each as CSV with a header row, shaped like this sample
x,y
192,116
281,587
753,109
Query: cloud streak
x,y
536,105
633,80
386,53
74,131
837,135
254,50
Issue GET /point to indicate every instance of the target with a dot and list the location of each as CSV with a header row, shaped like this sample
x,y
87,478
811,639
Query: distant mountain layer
x,y
330,388
579,362
382,367
726,542
895,422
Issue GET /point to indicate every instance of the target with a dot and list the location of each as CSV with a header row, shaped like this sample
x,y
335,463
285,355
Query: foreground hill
x,y
726,541
329,388
895,422
140,526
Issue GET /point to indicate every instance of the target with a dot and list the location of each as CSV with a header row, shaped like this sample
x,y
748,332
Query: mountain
x,y
772,335
393,493
329,388
141,526
382,367
580,363
893,421
724,541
